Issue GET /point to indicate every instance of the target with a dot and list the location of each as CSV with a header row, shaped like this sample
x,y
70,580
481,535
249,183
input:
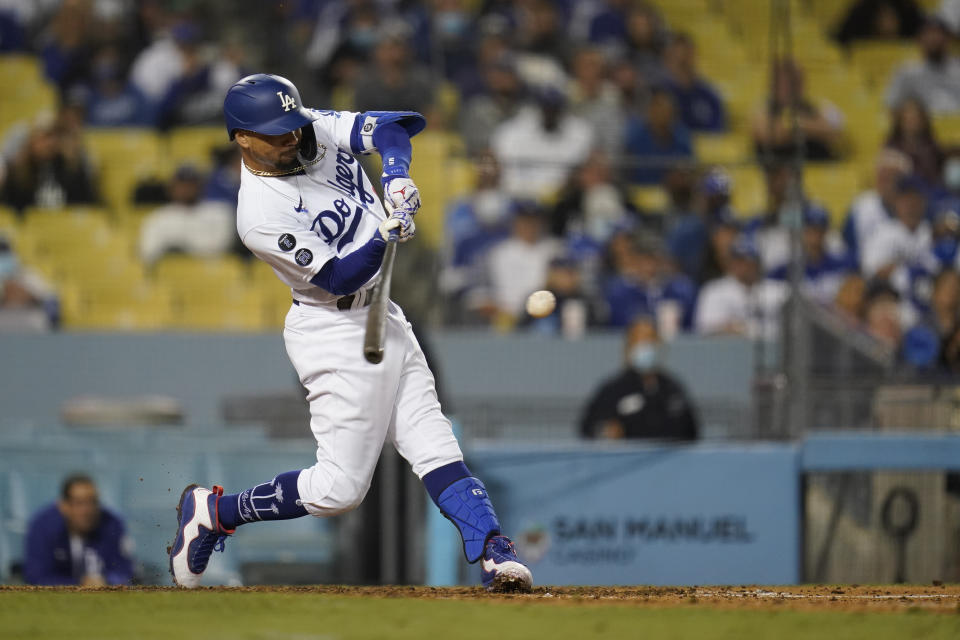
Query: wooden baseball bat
x,y
377,318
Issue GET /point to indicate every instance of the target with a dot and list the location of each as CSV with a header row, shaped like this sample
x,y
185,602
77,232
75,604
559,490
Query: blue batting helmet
x,y
266,104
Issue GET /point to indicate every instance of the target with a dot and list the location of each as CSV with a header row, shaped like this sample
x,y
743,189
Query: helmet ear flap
x,y
307,147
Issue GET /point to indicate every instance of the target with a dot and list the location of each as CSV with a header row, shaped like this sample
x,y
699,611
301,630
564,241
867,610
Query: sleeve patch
x,y
303,257
287,242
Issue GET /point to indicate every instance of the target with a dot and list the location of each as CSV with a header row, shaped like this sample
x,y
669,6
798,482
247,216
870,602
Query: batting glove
x,y
400,220
400,193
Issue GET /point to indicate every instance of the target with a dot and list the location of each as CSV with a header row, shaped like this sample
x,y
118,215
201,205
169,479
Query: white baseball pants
x,y
356,406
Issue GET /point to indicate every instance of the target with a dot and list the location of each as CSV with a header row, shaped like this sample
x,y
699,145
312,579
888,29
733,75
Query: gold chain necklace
x,y
322,151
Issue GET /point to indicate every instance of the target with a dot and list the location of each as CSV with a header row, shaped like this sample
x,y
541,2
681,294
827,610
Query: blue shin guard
x,y
465,503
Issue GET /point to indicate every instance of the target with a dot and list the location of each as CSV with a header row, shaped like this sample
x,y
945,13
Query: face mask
x,y
490,207
951,174
451,23
8,266
602,211
643,357
363,37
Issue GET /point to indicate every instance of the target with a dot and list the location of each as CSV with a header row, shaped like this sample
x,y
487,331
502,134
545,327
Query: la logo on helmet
x,y
286,101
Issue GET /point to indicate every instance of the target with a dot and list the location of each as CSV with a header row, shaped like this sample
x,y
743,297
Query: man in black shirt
x,y
641,401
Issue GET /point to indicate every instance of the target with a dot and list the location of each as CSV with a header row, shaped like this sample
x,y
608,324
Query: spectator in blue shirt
x,y
698,103
644,285
824,270
76,541
112,101
658,142
689,236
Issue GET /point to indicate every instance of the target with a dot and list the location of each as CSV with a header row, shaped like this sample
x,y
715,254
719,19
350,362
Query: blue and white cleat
x,y
502,570
199,534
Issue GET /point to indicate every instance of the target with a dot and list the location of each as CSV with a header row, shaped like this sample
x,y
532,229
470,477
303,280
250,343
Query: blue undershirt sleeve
x,y
343,276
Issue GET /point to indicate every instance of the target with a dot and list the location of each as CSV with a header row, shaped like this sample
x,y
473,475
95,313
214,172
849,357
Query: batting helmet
x,y
266,104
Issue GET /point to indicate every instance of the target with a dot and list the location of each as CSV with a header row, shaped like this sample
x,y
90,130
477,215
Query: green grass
x,y
301,616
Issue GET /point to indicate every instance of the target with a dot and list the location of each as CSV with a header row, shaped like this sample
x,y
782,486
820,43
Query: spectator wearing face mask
x,y
593,203
475,224
539,147
27,302
642,400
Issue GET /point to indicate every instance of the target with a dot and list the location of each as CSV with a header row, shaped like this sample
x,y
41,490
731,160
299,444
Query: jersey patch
x,y
303,257
287,242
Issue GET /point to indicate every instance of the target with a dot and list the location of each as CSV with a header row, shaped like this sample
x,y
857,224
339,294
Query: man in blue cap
x,y
824,268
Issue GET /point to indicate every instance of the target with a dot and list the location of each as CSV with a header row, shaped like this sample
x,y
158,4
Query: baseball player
x,y
308,210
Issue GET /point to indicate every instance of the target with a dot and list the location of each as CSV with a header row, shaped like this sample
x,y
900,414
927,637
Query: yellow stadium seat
x,y
117,306
276,296
827,13
123,156
237,308
186,275
442,174
194,145
8,223
20,69
22,106
50,230
947,129
748,190
833,185
876,61
125,145
650,199
722,148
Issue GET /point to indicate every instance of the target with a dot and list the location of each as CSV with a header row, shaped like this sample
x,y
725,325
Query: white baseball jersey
x,y
297,223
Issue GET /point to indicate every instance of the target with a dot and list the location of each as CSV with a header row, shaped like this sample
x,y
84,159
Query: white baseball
x,y
541,303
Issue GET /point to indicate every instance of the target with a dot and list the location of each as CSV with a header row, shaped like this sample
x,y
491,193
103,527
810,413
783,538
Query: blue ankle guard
x,y
466,505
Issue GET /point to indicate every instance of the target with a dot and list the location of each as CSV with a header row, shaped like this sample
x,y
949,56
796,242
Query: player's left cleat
x,y
199,534
502,570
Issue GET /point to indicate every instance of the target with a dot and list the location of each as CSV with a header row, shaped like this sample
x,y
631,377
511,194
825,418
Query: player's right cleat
x,y
199,534
502,570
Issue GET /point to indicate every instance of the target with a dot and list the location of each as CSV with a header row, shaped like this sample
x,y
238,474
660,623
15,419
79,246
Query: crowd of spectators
x,y
565,108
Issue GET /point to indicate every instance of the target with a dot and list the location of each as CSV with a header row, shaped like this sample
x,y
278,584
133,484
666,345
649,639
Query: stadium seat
x,y
947,129
749,191
876,61
441,172
185,273
194,145
117,305
833,185
8,223
722,148
27,92
651,199
124,156
238,308
274,294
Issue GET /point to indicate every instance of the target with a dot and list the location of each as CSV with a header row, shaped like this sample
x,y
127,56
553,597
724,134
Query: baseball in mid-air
x,y
541,303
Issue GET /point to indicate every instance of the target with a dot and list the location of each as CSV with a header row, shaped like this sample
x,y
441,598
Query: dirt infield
x,y
893,598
